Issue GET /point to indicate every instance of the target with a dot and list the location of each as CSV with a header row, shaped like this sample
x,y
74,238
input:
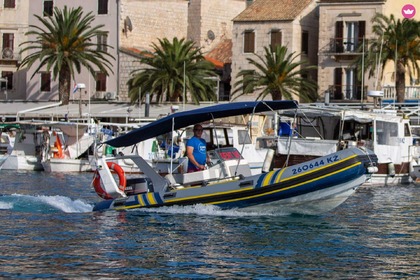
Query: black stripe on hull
x,y
283,186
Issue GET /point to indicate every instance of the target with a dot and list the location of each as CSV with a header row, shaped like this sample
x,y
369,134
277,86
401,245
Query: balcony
x,y
411,93
9,56
346,92
354,93
344,49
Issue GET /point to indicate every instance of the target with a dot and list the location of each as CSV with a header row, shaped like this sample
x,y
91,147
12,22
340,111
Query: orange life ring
x,y
122,181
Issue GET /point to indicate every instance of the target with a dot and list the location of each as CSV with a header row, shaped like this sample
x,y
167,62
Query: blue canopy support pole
x,y
172,144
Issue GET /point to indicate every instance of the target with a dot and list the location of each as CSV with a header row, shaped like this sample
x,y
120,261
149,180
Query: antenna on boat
x,y
377,94
363,69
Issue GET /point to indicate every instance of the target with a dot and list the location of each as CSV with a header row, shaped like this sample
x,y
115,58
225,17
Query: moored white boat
x,y
66,145
322,130
26,153
311,187
7,140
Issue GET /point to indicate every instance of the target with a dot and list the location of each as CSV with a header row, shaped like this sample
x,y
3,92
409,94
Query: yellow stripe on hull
x,y
278,180
288,188
150,199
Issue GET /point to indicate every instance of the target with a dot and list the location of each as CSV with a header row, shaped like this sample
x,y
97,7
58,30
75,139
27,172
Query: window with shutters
x,y
100,81
102,7
102,42
9,4
349,35
338,83
249,41
305,42
275,39
45,81
8,75
8,40
7,52
48,8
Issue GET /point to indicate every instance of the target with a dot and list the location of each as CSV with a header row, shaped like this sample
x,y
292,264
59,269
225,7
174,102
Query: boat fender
x,y
413,164
58,153
372,169
267,161
391,169
122,181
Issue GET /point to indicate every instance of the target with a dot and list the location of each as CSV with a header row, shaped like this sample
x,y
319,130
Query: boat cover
x,y
183,119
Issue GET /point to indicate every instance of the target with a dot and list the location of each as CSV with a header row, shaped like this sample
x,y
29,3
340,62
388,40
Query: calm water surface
x,y
49,231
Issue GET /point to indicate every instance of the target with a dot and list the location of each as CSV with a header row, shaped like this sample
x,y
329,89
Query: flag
x,y
75,88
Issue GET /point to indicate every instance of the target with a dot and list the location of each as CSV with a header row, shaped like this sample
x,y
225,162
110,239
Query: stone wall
x,y
156,19
152,20
291,38
329,15
210,22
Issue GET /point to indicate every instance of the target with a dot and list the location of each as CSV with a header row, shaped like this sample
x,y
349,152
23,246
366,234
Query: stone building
x,y
291,23
207,23
13,26
17,15
344,25
130,27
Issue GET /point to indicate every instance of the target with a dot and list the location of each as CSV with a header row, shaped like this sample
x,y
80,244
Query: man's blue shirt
x,y
199,152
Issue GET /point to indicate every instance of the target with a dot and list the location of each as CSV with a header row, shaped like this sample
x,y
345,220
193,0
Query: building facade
x,y
14,17
326,33
344,25
41,86
130,26
293,24
207,23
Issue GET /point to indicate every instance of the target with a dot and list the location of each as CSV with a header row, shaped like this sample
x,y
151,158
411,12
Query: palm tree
x,y
65,44
397,40
166,69
277,74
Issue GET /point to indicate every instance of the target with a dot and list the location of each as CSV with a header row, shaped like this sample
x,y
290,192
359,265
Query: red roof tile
x,y
221,54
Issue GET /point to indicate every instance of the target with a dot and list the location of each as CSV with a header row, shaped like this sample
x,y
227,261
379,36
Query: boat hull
x,y
67,165
331,178
3,159
312,203
382,177
27,163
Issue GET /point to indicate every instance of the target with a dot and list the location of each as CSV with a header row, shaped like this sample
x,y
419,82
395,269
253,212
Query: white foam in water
x,y
65,204
5,205
61,203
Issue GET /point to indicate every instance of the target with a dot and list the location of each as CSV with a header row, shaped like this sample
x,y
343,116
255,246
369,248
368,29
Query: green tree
x,y
163,74
396,41
277,74
64,44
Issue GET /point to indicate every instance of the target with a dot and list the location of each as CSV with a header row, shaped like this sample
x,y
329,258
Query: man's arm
x,y
191,158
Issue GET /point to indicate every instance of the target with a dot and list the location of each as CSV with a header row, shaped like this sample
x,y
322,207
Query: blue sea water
x,y
48,230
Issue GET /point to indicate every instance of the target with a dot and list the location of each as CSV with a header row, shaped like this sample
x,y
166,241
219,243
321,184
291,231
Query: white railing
x,y
411,92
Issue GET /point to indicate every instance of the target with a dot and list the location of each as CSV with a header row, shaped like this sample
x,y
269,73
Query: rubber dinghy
x,y
311,187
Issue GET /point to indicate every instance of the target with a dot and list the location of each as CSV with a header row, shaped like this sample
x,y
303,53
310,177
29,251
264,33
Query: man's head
x,y
198,130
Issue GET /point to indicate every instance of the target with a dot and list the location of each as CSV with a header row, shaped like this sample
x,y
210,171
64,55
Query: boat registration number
x,y
312,165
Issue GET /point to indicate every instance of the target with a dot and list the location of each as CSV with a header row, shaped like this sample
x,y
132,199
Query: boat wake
x,y
210,210
42,203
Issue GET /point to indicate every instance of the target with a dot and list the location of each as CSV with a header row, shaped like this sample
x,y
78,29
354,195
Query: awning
x,y
186,118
